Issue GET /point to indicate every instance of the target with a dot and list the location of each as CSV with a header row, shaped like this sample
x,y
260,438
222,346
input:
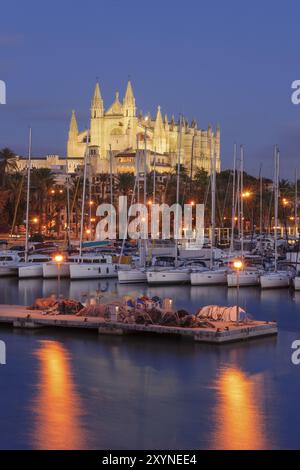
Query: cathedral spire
x,y
166,122
129,97
97,103
73,130
159,133
129,101
116,107
158,121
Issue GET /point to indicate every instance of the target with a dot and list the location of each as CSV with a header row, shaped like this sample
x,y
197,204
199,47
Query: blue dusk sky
x,y
223,62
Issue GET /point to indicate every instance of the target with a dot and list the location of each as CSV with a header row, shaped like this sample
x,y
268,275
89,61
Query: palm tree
x,y
8,163
42,180
16,201
126,183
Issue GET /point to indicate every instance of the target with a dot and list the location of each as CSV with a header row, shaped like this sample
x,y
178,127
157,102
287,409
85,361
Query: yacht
x,y
91,266
296,282
132,276
275,279
52,269
33,267
206,277
139,274
179,275
245,278
9,263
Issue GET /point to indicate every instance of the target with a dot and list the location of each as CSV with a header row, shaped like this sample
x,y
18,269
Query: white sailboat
x,y
52,269
214,275
176,275
137,274
33,267
276,278
296,282
9,261
92,266
247,276
89,265
132,276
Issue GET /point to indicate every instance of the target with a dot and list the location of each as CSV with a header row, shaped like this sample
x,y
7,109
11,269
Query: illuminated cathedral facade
x,y
119,139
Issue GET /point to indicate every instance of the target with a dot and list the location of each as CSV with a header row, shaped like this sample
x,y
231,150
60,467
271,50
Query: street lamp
x,y
58,259
238,265
285,202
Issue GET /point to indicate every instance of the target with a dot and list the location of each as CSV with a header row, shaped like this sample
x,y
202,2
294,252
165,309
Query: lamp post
x,y
58,260
238,264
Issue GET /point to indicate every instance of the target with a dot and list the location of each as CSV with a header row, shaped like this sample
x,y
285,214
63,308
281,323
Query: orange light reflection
x,y
239,416
57,405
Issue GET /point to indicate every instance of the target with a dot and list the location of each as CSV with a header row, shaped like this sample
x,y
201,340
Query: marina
x,y
149,231
81,371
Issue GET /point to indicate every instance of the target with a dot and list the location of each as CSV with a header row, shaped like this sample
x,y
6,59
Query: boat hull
x,y
51,270
296,282
245,279
171,277
132,276
275,280
207,278
90,271
34,270
8,271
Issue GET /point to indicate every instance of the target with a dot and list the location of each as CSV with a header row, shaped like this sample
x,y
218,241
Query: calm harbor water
x,y
73,390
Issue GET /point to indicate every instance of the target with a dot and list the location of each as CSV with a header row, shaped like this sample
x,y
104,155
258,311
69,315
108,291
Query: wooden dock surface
x,y
224,332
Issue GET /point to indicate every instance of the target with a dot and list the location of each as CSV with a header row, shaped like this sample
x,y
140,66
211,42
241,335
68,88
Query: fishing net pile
x,y
142,311
53,306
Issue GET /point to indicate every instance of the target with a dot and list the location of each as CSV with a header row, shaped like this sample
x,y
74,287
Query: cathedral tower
x,y
129,102
72,137
97,112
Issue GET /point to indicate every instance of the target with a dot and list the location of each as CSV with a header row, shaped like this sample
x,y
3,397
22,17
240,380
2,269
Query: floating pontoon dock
x,y
223,332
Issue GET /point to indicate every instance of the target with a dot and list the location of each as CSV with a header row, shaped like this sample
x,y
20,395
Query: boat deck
x,y
21,317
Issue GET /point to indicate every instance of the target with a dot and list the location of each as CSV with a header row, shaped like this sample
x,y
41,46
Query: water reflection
x,y
57,405
239,414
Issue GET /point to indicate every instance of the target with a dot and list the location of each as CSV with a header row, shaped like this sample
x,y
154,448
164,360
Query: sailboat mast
x,y
111,175
233,198
154,177
177,185
28,195
276,189
238,199
145,196
145,168
83,195
213,206
242,201
260,207
296,203
68,205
